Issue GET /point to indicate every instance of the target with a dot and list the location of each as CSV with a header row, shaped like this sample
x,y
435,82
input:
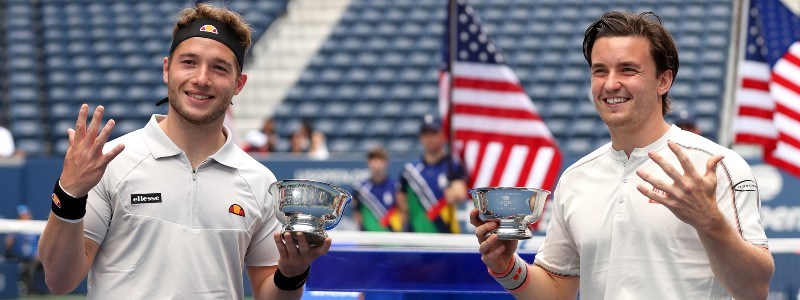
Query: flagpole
x,y
729,101
452,32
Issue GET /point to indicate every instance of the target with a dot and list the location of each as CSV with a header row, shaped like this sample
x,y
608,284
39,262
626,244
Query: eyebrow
x,y
622,64
629,64
216,60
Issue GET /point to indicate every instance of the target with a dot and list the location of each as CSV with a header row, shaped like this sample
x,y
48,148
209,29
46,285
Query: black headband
x,y
210,29
214,30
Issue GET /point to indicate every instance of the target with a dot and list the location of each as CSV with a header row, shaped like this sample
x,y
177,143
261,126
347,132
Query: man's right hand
x,y
85,163
495,253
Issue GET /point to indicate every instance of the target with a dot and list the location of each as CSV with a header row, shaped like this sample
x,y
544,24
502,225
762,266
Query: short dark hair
x,y
647,25
378,152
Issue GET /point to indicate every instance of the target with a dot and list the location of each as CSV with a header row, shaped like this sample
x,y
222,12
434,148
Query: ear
x,y
240,83
665,82
165,70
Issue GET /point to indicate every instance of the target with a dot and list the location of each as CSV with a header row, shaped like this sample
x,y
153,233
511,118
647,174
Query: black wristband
x,y
290,283
67,207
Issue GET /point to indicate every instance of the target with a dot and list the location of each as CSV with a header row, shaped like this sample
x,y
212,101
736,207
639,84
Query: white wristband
x,y
516,277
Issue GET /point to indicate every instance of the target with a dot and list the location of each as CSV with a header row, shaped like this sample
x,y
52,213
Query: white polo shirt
x,y
169,232
624,246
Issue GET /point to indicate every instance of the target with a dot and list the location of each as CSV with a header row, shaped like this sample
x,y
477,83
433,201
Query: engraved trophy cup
x,y
513,208
309,206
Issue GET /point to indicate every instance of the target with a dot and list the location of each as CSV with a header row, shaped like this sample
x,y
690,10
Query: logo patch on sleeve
x,y
746,186
145,198
236,209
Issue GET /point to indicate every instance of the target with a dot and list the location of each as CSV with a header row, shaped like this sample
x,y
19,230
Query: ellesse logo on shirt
x,y
145,198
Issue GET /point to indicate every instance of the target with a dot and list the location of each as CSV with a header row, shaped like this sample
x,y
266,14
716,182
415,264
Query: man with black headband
x,y
658,213
182,210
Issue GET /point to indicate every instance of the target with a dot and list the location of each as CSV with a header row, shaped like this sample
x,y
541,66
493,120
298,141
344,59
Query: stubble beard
x,y
202,120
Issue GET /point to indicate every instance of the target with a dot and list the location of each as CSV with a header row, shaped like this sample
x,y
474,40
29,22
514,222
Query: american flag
x,y
769,87
496,129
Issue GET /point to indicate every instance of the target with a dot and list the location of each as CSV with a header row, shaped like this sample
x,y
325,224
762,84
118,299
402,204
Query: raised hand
x,y
297,257
495,253
85,163
691,196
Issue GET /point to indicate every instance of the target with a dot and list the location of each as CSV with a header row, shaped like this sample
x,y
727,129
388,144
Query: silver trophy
x,y
513,208
309,206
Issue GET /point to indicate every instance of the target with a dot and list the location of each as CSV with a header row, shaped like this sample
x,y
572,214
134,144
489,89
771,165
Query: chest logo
x,y
145,198
236,209
657,191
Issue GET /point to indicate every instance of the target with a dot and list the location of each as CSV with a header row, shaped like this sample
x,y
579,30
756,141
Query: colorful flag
x,y
768,99
495,126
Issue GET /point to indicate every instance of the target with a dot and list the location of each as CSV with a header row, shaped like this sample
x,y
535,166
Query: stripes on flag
x,y
768,98
495,125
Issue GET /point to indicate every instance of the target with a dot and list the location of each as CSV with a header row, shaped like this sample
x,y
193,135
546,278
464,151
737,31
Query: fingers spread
x,y
108,157
665,165
97,118
80,124
686,164
655,182
653,195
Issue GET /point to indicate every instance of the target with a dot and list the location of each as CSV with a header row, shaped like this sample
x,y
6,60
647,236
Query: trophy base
x,y
513,233
314,233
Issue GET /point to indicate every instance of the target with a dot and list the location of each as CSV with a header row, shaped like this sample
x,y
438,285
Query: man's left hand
x,y
297,257
691,196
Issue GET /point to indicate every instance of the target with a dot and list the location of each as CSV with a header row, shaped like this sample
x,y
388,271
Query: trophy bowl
x,y
308,206
514,208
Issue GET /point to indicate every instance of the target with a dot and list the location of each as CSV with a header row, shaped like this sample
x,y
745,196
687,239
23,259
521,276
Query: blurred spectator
x,y
685,120
433,186
262,141
307,140
7,148
374,197
23,248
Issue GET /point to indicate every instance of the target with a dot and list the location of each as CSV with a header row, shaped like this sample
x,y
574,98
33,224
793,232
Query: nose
x,y
201,77
612,83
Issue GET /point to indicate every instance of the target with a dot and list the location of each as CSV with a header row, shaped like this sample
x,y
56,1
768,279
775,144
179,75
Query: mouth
x,y
615,100
198,96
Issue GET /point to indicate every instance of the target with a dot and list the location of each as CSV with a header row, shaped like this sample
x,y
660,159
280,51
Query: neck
x,y
433,157
197,141
631,137
378,177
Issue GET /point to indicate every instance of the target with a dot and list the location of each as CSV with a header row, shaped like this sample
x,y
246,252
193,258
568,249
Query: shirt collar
x,y
642,152
161,145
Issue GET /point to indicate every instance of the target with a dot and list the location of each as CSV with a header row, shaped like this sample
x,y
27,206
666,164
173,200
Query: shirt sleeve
x,y
558,254
262,250
738,199
98,213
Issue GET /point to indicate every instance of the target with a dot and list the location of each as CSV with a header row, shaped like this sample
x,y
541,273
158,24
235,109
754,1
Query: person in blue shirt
x,y
375,205
23,248
434,186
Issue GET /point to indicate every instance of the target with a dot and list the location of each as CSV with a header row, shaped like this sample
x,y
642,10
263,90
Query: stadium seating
x,y
378,68
370,82
66,52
